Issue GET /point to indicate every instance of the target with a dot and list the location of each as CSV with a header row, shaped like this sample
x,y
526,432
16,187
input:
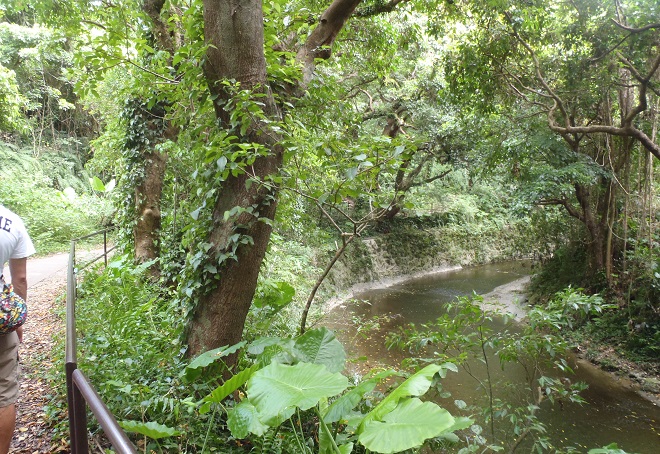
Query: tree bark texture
x,y
234,31
148,129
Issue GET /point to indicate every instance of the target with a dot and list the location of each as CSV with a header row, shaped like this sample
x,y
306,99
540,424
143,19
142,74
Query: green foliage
x,y
465,334
11,101
42,194
276,392
130,350
40,103
569,308
612,448
565,268
390,66
150,429
406,426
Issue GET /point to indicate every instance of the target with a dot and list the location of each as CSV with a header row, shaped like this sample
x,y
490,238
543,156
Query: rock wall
x,y
408,252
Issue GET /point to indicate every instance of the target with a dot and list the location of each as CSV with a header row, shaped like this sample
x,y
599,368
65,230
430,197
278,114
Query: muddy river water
x,y
615,412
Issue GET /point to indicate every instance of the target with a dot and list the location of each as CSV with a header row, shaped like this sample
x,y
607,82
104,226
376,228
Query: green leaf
x,y
111,185
222,163
319,346
612,448
97,184
276,295
149,429
259,345
277,389
194,369
228,387
460,423
346,449
349,400
415,385
407,426
244,419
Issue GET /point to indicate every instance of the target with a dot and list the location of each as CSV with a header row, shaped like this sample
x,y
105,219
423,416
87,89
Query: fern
x,y
270,443
17,161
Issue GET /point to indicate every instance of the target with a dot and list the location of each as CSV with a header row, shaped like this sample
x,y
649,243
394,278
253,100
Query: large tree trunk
x,y
234,31
596,214
147,130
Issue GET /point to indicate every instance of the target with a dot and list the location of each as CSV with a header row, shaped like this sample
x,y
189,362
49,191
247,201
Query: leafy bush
x,y
130,345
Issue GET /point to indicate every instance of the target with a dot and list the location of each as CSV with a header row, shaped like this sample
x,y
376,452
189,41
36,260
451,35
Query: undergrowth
x,y
55,203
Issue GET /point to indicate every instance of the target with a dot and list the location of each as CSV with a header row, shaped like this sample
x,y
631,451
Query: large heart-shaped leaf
x,y
277,389
319,346
407,426
416,385
243,419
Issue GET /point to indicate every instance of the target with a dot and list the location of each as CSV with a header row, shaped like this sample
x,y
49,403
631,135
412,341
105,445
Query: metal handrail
x,y
80,392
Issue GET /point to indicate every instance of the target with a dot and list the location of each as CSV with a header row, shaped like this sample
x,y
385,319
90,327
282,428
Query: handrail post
x,y
80,393
105,247
77,414
78,445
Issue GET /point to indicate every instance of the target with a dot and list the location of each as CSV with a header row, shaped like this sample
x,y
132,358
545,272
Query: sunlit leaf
x,y
320,346
149,429
407,426
276,390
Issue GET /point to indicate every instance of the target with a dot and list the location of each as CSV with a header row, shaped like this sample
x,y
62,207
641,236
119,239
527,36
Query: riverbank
x,y
511,299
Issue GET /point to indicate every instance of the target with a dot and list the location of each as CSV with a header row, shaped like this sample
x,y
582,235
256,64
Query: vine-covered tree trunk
x,y
147,206
157,129
234,31
147,129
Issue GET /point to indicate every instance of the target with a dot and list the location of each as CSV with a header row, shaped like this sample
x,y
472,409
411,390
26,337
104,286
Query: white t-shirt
x,y
15,243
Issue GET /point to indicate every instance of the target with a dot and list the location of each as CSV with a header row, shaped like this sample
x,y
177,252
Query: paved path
x,y
41,269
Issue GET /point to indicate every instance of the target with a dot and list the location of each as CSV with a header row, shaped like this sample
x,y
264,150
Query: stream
x,y
615,412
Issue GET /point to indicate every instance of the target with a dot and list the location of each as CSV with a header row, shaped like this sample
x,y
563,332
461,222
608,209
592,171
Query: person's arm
x,y
18,271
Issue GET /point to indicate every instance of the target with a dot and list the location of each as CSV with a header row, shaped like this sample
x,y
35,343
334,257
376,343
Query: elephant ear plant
x,y
291,376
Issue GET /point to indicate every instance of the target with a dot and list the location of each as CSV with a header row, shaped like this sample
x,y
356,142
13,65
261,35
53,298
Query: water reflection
x,y
615,411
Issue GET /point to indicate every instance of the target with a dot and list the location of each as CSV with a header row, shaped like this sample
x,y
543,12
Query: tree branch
x,y
636,30
625,131
379,8
642,105
563,202
153,9
432,179
319,42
